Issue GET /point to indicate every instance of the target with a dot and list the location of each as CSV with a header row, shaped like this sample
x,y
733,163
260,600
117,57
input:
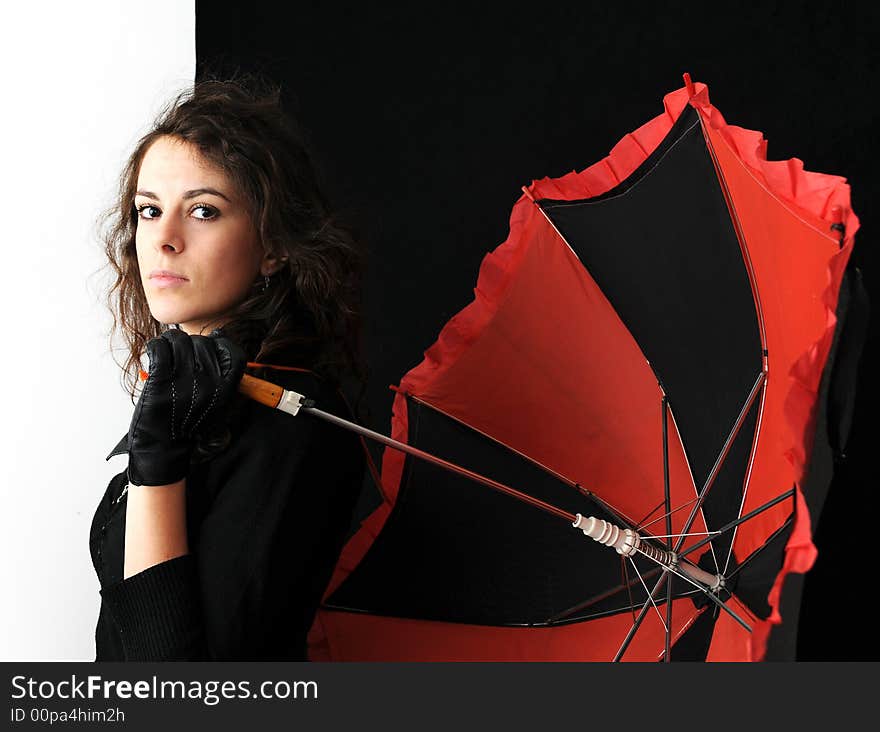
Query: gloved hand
x,y
191,381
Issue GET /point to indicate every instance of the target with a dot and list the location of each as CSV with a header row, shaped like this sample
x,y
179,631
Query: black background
x,y
426,122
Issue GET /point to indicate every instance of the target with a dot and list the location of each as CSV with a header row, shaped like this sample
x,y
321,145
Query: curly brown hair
x,y
309,315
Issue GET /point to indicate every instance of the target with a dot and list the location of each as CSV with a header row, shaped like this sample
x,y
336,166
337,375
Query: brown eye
x,y
140,209
209,210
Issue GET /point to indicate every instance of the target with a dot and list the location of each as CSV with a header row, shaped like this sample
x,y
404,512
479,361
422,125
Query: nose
x,y
169,235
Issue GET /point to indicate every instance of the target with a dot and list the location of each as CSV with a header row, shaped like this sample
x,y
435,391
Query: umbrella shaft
x,y
440,462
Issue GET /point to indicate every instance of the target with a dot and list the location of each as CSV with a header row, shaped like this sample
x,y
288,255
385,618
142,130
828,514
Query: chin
x,y
170,317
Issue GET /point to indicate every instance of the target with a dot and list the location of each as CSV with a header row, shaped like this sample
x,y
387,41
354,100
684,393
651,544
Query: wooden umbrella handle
x,y
260,390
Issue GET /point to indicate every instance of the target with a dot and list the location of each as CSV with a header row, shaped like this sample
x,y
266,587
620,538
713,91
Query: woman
x,y
220,536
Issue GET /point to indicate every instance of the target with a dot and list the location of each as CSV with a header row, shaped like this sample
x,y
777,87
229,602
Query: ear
x,y
270,264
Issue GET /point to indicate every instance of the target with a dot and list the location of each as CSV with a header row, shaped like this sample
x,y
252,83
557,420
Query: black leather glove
x,y
191,381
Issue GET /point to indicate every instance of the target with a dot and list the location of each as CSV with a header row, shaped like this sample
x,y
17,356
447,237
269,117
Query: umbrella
x,y
637,379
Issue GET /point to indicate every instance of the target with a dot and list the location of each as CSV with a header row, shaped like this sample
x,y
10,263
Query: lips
x,y
166,274
163,279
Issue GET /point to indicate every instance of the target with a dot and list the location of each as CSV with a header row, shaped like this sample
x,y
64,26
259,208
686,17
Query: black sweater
x,y
266,521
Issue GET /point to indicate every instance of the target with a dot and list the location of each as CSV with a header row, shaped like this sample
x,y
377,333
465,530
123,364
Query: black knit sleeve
x,y
282,498
158,614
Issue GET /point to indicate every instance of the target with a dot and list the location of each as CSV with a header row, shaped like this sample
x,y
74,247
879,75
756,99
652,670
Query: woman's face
x,y
192,223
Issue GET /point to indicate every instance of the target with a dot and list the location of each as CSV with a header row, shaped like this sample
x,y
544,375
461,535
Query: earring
x,y
265,282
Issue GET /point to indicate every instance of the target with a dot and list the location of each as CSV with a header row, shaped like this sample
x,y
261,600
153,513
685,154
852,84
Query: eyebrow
x,y
187,194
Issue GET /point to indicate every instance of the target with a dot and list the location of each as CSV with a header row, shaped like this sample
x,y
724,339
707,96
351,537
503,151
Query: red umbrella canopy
x,y
646,348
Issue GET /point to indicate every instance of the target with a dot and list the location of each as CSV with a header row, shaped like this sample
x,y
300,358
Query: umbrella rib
x,y
767,190
748,476
667,648
667,501
742,520
728,443
741,240
756,296
693,479
744,607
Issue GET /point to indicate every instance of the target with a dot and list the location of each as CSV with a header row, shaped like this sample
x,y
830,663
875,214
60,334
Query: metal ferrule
x,y
290,402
